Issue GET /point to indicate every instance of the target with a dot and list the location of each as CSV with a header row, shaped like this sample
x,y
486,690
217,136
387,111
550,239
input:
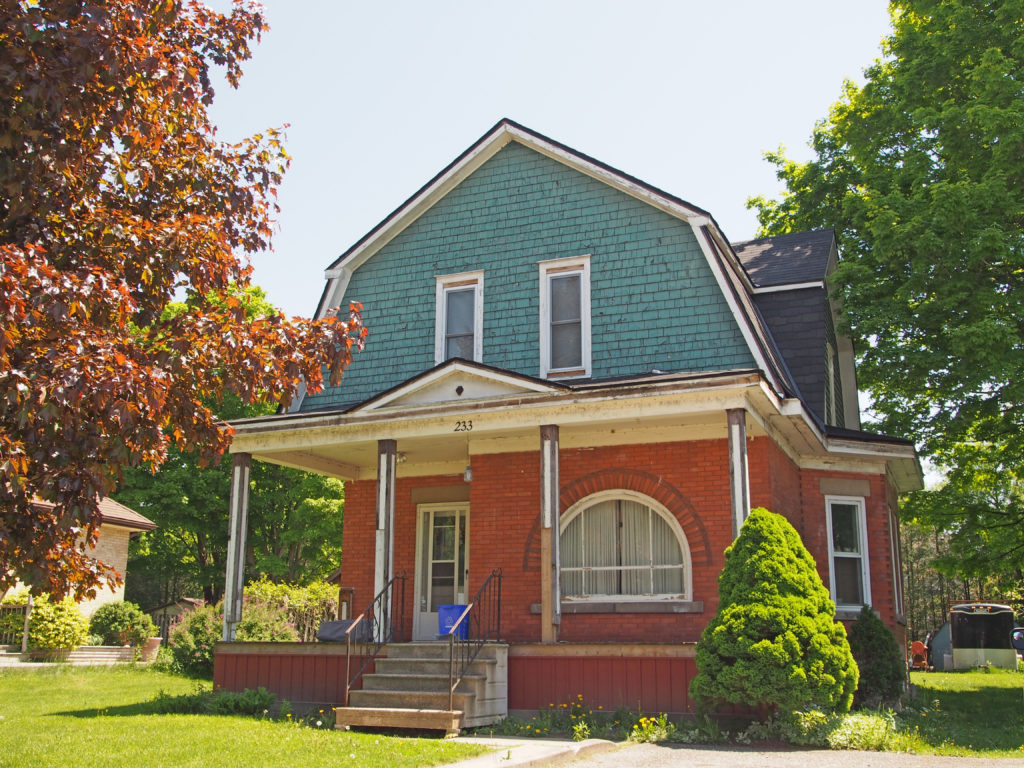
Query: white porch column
x,y
238,528
551,561
739,476
387,462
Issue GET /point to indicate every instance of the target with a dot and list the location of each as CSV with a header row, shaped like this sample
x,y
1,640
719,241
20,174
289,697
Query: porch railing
x,y
374,628
479,622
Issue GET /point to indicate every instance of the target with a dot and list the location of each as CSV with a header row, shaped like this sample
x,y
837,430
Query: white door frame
x,y
424,623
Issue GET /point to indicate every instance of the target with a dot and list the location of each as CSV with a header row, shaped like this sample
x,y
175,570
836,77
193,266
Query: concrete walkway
x,y
597,753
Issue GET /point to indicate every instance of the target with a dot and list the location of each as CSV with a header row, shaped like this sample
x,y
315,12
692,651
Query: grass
x,y
68,717
977,713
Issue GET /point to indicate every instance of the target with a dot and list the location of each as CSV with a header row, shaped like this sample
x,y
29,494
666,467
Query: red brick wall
x,y
691,479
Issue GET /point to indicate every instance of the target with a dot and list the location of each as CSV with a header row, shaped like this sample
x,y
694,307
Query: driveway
x,y
683,756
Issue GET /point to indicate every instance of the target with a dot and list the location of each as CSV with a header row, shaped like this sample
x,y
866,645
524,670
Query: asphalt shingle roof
x,y
800,257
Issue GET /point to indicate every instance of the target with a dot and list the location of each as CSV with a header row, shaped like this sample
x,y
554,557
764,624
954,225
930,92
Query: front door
x,y
442,563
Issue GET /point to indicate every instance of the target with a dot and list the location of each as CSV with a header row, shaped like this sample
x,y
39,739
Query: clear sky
x,y
380,96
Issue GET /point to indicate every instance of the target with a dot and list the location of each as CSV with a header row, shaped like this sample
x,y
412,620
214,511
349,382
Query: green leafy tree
x,y
921,172
295,518
774,644
882,665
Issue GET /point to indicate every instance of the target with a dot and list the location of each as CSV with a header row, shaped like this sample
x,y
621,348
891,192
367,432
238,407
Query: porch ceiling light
x,y
468,474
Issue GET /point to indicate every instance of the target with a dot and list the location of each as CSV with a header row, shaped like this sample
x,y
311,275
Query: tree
x,y
921,172
774,644
295,523
115,196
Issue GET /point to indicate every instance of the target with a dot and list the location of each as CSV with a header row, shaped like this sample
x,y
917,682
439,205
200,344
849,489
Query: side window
x,y
565,317
849,574
458,325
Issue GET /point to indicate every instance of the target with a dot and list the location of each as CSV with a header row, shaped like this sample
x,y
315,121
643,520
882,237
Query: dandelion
x,y
319,723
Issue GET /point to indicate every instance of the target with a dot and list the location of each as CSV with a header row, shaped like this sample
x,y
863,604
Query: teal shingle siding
x,y
654,300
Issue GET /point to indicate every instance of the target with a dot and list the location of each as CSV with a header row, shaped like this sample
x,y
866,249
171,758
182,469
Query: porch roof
x,y
444,416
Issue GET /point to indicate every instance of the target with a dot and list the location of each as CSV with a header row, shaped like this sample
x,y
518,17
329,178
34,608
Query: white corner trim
x,y
726,291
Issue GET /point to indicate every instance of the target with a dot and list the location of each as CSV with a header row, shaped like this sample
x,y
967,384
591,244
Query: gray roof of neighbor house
x,y
115,513
799,257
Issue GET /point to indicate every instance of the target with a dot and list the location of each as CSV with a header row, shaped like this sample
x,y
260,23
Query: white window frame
x,y
446,284
862,528
625,495
560,268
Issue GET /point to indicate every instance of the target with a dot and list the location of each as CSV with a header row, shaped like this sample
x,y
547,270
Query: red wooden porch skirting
x,y
640,677
305,674
648,678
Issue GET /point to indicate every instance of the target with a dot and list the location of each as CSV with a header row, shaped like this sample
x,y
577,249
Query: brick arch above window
x,y
650,485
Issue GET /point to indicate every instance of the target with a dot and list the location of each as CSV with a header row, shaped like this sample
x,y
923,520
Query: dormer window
x,y
565,317
459,318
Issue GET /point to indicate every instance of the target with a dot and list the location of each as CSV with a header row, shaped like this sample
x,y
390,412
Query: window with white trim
x,y
459,317
623,545
565,317
848,571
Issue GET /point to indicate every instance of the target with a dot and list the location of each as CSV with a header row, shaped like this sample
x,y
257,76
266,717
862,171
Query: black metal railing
x,y
374,628
479,622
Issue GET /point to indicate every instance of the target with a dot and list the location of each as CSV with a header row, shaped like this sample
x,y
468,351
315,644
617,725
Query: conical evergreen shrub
x,y
774,644
883,667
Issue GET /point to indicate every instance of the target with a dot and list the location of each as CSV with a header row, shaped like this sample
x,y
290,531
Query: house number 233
x,y
463,426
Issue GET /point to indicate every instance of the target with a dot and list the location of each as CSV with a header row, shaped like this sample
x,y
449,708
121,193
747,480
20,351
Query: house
x,y
117,524
574,379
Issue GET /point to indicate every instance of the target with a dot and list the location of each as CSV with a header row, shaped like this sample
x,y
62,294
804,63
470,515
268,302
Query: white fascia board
x,y
790,287
611,178
734,308
416,207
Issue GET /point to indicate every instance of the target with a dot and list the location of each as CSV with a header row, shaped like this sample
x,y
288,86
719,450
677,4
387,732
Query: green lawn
x,y
68,717
978,713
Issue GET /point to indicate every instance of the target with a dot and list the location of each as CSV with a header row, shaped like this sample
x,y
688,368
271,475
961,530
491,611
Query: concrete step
x,y
96,653
397,717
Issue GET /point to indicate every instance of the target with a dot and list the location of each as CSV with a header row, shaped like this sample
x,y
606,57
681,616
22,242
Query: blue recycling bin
x,y
447,615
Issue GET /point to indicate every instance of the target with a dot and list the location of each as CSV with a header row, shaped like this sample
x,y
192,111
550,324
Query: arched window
x,y
625,545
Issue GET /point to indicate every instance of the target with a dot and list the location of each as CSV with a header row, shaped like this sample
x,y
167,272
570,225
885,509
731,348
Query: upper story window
x,y
848,571
624,545
565,317
459,317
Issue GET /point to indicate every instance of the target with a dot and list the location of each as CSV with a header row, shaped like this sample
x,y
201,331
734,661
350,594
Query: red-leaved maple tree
x,y
116,196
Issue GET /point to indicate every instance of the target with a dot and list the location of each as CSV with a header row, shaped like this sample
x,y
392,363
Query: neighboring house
x,y
168,614
118,523
575,378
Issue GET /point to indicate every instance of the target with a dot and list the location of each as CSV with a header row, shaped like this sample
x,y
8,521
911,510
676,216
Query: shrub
x,y
193,637
122,623
883,669
56,625
774,643
305,606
